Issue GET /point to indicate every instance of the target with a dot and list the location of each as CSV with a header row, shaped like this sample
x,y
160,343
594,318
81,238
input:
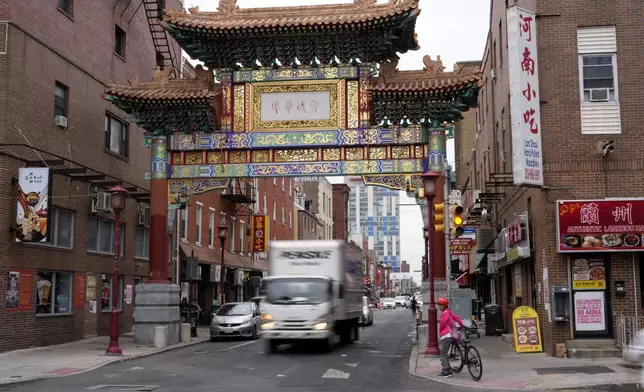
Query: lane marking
x,y
351,364
283,374
333,373
239,345
134,369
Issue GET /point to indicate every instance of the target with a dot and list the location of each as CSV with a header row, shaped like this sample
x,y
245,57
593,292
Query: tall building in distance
x,y
374,212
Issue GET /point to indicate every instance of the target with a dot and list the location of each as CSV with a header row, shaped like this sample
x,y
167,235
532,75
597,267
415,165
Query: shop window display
x,y
106,293
54,292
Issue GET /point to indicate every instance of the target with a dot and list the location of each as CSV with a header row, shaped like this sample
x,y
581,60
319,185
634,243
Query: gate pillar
x,y
157,300
437,156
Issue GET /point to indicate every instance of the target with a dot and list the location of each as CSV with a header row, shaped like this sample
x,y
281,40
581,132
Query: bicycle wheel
x,y
474,363
455,357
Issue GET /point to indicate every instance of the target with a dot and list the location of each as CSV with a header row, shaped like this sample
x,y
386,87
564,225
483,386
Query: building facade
x,y
404,266
320,192
374,212
55,60
340,206
566,247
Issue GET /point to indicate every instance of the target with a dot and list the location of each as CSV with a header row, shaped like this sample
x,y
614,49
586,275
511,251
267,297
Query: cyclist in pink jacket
x,y
448,333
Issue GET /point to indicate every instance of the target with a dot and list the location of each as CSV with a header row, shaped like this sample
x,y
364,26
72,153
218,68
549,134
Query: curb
x,y
115,360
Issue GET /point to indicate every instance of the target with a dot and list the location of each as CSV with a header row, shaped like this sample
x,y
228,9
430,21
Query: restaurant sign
x,y
608,225
527,331
459,246
517,239
259,233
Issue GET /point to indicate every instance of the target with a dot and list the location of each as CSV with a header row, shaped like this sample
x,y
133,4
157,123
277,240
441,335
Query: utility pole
x,y
448,232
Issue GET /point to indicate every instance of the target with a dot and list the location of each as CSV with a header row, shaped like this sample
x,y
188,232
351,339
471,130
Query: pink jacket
x,y
448,319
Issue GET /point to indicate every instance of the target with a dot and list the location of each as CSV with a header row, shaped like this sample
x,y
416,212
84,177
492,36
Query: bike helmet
x,y
442,301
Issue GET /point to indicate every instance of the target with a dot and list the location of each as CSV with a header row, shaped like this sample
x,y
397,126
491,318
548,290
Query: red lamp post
x,y
430,178
223,233
426,235
118,195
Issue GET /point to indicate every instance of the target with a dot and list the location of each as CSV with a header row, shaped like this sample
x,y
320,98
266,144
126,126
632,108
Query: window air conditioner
x,y
102,202
144,215
60,121
599,95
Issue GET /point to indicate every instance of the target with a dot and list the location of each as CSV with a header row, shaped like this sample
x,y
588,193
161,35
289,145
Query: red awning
x,y
213,256
463,280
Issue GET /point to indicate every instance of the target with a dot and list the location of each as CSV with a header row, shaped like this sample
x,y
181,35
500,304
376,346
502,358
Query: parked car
x,y
367,314
400,301
235,319
388,303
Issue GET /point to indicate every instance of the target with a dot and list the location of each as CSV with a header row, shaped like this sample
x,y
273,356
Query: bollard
x,y
160,336
185,332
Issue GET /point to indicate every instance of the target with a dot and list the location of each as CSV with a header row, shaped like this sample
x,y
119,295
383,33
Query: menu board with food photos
x,y
527,331
588,273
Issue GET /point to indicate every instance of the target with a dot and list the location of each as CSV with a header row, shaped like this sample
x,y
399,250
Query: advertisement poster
x,y
592,226
90,292
590,312
259,233
79,291
19,290
527,331
34,202
588,273
128,294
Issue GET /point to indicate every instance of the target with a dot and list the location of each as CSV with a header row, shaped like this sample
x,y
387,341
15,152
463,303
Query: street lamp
x,y
430,178
223,233
118,195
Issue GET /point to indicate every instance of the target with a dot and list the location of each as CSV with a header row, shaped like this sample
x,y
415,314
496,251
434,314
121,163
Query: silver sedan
x,y
235,319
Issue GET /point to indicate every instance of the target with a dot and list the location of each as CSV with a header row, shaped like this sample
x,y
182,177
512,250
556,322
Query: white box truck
x,y
313,293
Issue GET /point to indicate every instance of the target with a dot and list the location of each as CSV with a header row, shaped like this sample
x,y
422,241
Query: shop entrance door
x,y
590,298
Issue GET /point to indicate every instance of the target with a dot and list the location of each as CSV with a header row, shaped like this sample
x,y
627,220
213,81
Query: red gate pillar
x,y
159,211
438,251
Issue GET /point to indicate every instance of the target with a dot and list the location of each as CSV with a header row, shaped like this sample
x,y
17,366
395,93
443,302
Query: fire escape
x,y
154,14
239,196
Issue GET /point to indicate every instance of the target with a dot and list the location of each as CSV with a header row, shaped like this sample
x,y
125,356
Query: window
x,y
61,100
233,226
290,218
61,232
283,218
142,243
265,206
54,293
198,218
107,297
100,237
222,219
274,210
242,233
116,135
119,41
183,228
211,227
599,95
66,6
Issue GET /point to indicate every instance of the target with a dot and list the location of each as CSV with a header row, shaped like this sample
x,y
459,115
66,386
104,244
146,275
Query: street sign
x,y
455,197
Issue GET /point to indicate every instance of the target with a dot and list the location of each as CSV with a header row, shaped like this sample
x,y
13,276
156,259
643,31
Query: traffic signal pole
x,y
448,232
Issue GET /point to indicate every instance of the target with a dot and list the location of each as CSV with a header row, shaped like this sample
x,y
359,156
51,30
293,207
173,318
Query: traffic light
x,y
457,220
439,217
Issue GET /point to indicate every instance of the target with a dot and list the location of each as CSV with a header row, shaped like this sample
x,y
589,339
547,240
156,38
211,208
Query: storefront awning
x,y
213,256
480,266
463,280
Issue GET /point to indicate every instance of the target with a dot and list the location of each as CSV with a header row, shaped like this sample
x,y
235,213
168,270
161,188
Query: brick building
x,y
340,211
589,94
53,69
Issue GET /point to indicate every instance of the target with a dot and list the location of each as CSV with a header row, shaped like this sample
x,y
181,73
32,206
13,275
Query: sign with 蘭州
x,y
259,233
527,164
600,225
527,331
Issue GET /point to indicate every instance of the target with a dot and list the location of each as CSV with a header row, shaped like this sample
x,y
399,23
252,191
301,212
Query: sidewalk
x,y
503,369
76,357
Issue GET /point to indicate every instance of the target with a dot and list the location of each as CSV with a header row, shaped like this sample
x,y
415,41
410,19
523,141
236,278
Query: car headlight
x,y
266,317
321,326
247,320
270,325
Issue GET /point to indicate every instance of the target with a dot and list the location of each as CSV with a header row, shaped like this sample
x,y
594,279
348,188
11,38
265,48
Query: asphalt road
x,y
377,362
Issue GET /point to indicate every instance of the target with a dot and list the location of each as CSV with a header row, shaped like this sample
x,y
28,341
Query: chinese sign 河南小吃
x,y
524,97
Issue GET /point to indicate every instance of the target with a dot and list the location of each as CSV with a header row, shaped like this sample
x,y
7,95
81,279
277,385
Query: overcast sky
x,y
454,29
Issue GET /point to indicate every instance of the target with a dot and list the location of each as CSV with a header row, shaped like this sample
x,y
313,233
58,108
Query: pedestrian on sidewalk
x,y
448,332
413,305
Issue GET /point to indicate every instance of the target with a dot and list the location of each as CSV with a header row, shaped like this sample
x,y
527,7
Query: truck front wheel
x,y
271,346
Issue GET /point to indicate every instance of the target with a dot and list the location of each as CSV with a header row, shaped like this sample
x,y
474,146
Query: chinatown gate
x,y
291,91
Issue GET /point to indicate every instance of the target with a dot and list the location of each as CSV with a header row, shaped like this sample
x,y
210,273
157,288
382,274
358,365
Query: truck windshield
x,y
297,291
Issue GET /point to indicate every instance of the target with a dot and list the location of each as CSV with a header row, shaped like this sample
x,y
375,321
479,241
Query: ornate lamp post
x,y
223,233
118,205
426,235
429,186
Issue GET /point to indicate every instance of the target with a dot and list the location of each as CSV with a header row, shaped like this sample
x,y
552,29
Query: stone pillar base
x,y
157,304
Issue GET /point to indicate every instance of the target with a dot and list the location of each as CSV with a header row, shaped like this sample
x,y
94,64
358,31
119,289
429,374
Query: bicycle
x,y
463,352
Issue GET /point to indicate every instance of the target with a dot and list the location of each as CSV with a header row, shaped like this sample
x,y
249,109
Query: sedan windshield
x,y
297,291
234,310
